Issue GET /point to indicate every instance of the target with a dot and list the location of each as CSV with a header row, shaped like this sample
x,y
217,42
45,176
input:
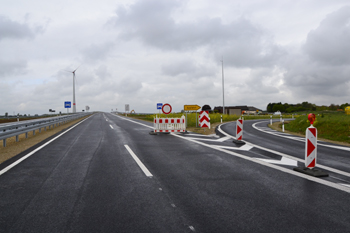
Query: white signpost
x,y
126,109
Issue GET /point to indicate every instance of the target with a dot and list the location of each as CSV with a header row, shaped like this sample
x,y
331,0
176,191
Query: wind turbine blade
x,y
77,68
67,71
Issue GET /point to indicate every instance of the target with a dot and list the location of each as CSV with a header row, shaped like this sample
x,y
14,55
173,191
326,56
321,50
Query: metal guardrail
x,y
8,130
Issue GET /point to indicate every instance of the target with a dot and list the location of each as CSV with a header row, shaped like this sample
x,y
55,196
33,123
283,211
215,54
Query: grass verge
x,y
278,126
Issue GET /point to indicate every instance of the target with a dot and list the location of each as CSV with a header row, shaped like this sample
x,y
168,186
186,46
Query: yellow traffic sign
x,y
191,107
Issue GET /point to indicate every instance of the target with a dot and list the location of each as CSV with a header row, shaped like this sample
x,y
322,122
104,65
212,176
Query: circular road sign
x,y
166,108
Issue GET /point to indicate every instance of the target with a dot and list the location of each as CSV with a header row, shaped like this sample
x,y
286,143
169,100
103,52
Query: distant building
x,y
238,110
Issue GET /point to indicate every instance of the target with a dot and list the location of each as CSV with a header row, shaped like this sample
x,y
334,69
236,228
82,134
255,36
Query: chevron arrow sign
x,y
204,119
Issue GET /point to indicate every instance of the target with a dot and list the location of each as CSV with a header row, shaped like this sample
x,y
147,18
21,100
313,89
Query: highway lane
x,y
87,181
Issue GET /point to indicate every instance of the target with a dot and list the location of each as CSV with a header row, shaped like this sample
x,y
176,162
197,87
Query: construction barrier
x,y
311,143
164,125
310,147
204,120
239,129
311,152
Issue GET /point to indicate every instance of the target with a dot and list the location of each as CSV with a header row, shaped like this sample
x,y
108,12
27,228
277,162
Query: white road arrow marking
x,y
283,161
244,147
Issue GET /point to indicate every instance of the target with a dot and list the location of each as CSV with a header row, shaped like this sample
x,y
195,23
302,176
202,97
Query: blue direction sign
x,y
67,104
159,105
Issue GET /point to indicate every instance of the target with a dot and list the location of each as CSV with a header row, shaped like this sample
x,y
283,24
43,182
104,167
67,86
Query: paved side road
x,y
87,180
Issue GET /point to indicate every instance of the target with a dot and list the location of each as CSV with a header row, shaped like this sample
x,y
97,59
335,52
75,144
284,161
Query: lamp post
x,y
223,87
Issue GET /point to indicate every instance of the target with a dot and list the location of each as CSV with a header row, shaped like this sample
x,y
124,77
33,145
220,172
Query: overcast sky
x,y
145,52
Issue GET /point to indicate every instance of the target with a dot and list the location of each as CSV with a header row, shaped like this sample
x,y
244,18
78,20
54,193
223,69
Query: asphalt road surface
x,y
108,174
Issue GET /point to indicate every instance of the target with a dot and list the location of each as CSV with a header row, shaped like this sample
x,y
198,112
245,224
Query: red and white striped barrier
x,y
311,152
239,129
164,125
204,120
311,147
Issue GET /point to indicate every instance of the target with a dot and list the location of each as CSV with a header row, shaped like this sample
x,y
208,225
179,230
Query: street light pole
x,y
223,87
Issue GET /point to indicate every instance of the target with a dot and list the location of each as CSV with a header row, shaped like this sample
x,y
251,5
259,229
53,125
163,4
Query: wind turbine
x,y
74,103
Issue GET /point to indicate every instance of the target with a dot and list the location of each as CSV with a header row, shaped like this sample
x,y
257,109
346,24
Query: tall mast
x,y
223,87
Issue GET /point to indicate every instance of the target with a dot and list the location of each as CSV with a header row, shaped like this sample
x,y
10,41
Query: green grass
x,y
332,126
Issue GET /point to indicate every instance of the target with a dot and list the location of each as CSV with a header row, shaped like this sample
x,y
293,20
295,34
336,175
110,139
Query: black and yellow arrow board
x,y
191,107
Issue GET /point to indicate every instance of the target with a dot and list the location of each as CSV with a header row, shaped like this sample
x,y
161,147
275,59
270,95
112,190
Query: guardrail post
x,y
33,132
17,138
4,142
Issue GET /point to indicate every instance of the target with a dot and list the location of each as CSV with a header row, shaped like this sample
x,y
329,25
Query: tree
x,y
278,107
206,108
269,107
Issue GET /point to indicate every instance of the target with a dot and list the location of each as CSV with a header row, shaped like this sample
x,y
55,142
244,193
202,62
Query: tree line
x,y
304,106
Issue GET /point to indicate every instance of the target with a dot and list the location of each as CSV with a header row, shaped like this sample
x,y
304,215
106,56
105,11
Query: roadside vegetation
x,y
214,117
330,125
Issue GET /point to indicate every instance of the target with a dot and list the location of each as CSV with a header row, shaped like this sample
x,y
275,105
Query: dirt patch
x,y
13,148
204,131
278,126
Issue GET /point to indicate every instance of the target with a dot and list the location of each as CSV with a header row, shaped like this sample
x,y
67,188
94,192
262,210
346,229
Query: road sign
x,y
159,105
191,107
67,104
239,129
126,107
204,120
166,108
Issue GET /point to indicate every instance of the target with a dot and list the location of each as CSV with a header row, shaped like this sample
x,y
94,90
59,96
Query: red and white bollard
x,y
311,152
311,144
239,129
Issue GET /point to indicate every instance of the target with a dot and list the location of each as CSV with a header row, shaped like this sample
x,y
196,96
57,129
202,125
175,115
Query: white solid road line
x,y
37,149
111,126
138,161
123,118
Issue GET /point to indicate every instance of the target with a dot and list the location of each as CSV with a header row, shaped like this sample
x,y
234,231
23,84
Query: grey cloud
x,y
262,81
329,43
187,68
308,78
241,42
96,52
9,68
128,86
13,30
